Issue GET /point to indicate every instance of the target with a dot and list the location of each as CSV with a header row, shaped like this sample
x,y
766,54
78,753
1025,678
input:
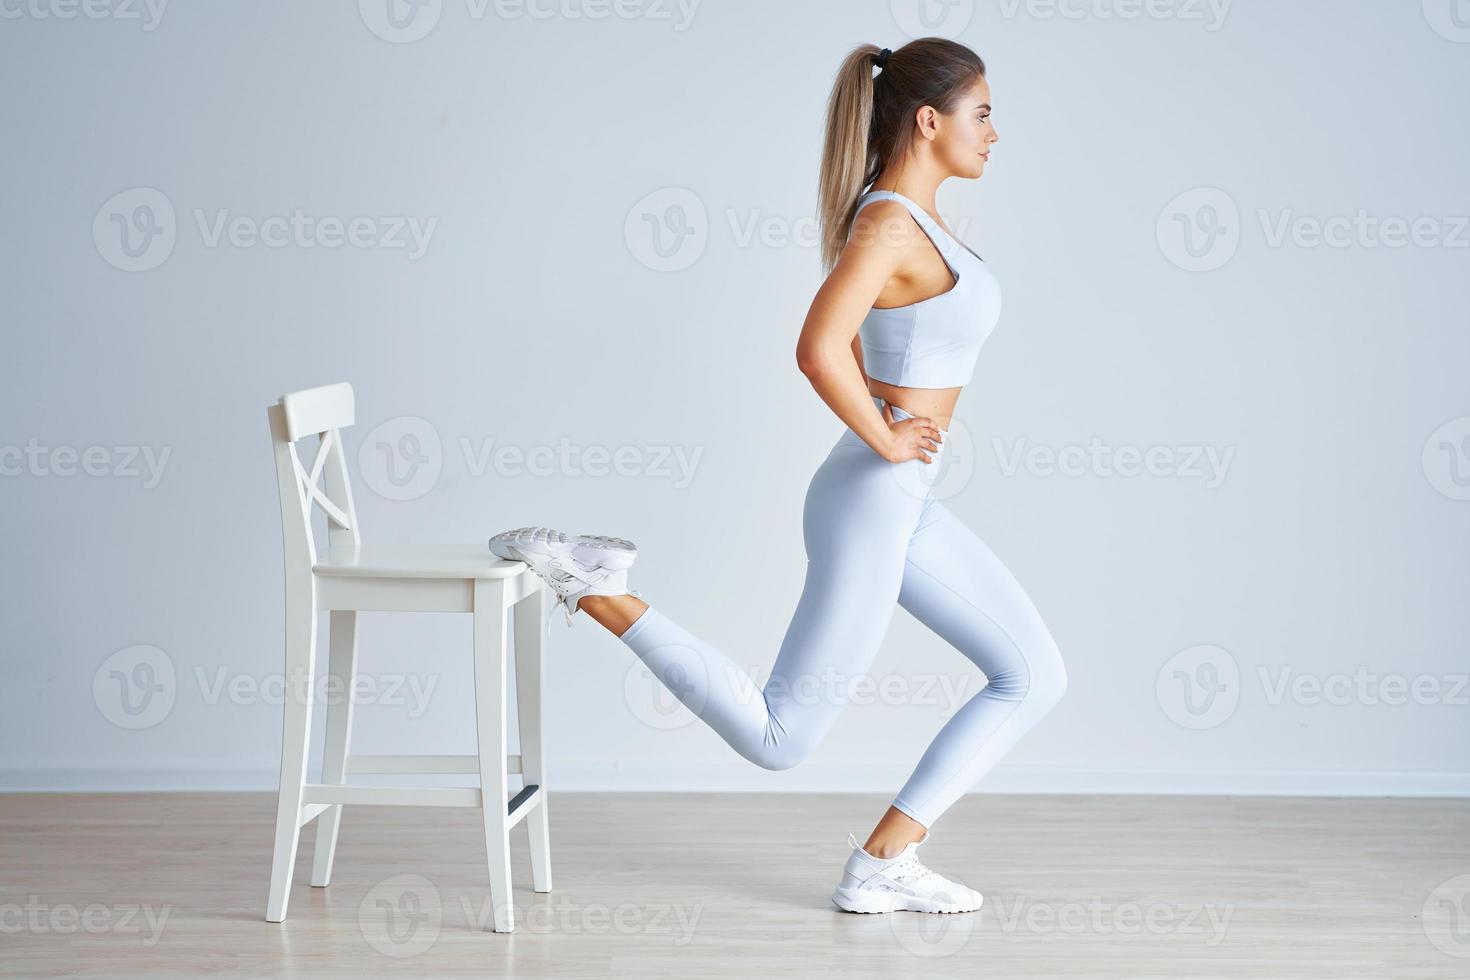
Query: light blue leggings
x,y
874,534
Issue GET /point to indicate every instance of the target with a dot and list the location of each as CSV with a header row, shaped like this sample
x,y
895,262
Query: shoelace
x,y
911,867
566,607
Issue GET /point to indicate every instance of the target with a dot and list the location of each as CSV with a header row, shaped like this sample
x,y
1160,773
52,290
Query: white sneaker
x,y
871,884
574,565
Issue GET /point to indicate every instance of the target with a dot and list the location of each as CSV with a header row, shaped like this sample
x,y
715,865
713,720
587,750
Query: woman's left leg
x,y
954,584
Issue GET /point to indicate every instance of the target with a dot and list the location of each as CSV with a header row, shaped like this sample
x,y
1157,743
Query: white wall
x,y
1329,547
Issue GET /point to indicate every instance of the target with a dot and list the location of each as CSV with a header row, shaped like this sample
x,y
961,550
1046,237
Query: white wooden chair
x,y
437,578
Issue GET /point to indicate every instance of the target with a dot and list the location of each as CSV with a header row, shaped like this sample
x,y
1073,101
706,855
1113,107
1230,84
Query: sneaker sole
x,y
869,902
591,550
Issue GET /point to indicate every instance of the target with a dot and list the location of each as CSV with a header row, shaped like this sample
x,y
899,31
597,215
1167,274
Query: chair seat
x,y
451,561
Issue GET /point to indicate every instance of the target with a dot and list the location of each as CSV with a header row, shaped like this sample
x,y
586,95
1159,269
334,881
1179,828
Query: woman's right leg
x,y
856,524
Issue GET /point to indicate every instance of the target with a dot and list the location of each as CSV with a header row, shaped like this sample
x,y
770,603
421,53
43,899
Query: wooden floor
x,y
722,885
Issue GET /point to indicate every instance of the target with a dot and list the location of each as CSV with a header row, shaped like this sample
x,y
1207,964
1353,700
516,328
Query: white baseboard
x,y
807,778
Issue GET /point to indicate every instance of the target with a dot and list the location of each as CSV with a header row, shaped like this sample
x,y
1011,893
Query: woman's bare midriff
x,y
935,403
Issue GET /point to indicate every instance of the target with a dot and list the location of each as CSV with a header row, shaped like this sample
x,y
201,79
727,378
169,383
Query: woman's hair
x,y
870,121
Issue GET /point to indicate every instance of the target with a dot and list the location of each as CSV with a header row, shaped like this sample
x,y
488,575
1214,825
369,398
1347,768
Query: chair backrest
x,y
322,412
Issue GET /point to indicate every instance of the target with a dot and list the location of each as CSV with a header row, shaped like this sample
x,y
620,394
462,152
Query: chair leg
x,y
342,671
529,652
295,745
490,617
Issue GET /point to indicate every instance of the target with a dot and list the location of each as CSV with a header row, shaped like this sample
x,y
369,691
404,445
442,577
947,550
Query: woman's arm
x,y
829,350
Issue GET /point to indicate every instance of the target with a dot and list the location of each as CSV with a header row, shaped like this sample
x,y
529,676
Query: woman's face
x,y
966,134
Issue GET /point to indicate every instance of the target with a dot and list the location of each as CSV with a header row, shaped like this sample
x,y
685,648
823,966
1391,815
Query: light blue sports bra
x,y
935,342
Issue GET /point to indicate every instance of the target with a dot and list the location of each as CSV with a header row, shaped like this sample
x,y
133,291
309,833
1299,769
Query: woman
x,y
891,338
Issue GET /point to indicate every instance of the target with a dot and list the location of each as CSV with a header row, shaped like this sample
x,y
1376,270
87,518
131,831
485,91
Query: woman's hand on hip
x,y
912,438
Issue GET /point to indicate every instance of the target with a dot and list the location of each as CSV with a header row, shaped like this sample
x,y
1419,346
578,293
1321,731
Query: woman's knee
x,y
787,754
1048,677
1038,677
